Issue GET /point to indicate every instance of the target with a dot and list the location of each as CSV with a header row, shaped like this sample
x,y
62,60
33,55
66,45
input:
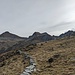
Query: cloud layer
x,y
23,17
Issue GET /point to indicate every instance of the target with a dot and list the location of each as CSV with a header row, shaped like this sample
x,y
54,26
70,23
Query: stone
x,y
31,67
50,60
25,73
34,69
28,71
31,61
34,64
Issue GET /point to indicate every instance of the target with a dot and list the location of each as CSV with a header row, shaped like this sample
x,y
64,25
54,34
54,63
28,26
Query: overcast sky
x,y
23,17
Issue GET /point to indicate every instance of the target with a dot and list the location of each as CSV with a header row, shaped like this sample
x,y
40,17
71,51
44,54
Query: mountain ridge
x,y
7,34
37,34
36,37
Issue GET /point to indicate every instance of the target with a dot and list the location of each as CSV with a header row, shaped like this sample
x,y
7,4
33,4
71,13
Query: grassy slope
x,y
14,65
63,65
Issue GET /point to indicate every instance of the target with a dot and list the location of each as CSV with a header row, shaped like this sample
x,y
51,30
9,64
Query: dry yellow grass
x,y
14,65
63,65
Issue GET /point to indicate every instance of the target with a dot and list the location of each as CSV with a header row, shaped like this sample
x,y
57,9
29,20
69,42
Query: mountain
x,y
46,37
8,39
10,35
67,34
55,54
36,37
41,36
61,51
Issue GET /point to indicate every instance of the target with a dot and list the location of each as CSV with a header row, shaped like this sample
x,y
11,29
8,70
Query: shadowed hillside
x,y
8,39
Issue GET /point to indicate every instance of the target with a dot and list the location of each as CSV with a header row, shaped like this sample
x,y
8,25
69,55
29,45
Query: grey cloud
x,y
61,27
23,17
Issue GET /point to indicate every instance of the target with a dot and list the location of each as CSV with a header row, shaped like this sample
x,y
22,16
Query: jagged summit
x,y
41,36
45,33
68,34
36,34
7,34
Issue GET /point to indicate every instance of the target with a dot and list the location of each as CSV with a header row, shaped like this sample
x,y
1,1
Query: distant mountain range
x,y
52,53
46,37
20,42
37,36
41,36
67,34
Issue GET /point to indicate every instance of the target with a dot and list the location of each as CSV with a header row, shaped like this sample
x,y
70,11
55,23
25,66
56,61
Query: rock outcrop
x,y
32,65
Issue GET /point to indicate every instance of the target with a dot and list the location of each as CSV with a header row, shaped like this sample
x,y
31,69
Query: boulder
x,y
50,60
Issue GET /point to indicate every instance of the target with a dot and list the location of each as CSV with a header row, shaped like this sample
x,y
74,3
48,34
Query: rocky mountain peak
x,y
7,34
36,34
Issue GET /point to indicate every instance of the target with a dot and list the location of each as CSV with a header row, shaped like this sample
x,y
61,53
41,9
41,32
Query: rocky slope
x,y
41,36
67,34
53,57
56,57
8,39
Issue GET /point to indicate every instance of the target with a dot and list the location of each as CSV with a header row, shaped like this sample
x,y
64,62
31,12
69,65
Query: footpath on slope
x,y
32,65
